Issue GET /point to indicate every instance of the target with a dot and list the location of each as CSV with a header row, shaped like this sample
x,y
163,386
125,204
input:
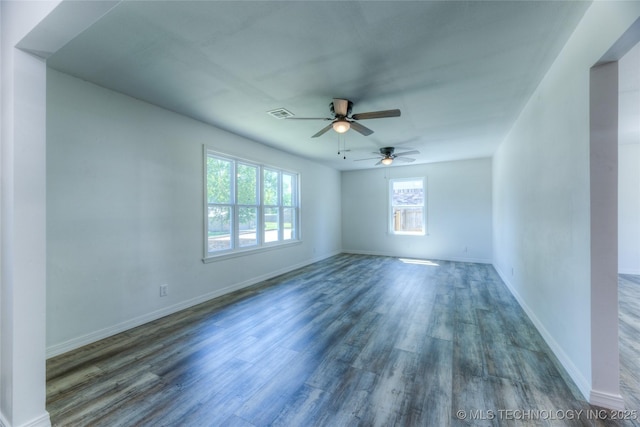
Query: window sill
x,y
244,252
407,233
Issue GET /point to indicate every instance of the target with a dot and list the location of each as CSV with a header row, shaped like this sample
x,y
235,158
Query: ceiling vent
x,y
280,113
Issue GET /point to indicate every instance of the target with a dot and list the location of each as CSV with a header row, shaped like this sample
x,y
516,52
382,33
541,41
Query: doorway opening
x,y
629,224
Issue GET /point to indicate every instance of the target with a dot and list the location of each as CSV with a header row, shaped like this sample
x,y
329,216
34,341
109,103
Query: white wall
x,y
458,211
629,209
541,199
125,213
22,222
629,164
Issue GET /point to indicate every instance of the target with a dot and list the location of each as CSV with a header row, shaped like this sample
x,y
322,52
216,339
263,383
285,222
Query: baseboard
x,y
78,342
631,271
606,400
581,382
396,255
41,421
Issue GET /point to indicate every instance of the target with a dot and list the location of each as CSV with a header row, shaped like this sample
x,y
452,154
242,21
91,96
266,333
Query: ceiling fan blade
x,y
308,118
323,130
376,115
370,158
379,163
408,153
404,159
361,129
340,107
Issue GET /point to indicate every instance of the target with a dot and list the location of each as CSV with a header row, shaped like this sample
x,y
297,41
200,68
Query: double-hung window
x,y
271,223
289,206
248,205
407,213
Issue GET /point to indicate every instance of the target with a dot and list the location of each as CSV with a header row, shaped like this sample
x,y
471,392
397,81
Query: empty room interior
x,y
251,213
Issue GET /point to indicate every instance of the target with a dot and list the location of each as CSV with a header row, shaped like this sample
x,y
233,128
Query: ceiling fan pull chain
x,y
344,146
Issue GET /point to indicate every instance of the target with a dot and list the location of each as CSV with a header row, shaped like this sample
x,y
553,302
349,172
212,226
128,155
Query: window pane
x,y
287,189
218,180
248,205
407,219
219,230
289,225
246,182
408,193
248,221
407,206
270,187
271,225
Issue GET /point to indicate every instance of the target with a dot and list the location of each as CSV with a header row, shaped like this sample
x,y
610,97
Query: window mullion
x,y
280,209
257,202
234,207
260,225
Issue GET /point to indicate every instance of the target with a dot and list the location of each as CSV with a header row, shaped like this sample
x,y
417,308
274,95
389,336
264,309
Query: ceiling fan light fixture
x,y
387,161
341,125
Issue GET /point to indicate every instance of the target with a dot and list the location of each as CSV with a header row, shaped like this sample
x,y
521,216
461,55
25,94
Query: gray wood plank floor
x,y
629,330
350,341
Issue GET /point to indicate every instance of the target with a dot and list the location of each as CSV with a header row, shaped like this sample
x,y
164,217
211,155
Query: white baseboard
x,y
581,382
41,421
606,400
395,255
83,340
631,271
594,397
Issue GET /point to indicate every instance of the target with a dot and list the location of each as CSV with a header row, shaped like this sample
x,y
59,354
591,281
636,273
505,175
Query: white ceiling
x,y
459,71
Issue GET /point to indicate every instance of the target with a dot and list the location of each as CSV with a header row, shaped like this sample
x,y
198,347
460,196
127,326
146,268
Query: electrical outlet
x,y
164,290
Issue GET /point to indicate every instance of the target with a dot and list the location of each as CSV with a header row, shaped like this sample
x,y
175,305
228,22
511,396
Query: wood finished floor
x,y
629,330
351,341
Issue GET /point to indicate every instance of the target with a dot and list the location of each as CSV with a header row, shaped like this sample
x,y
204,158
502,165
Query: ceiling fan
x,y
342,119
387,155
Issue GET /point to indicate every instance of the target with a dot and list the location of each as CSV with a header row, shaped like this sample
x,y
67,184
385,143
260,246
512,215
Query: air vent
x,y
280,113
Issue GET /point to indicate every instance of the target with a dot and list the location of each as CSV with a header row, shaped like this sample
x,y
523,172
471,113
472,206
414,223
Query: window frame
x,y
391,228
235,247
238,206
295,206
277,206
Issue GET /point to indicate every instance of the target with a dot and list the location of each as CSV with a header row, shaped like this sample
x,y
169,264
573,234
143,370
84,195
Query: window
x,y
248,206
289,202
407,206
271,196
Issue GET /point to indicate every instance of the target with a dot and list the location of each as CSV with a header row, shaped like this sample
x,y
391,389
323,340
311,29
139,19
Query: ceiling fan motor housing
x,y
387,151
333,111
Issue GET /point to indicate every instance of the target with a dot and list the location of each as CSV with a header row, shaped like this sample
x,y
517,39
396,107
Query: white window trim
x,y
236,250
390,208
